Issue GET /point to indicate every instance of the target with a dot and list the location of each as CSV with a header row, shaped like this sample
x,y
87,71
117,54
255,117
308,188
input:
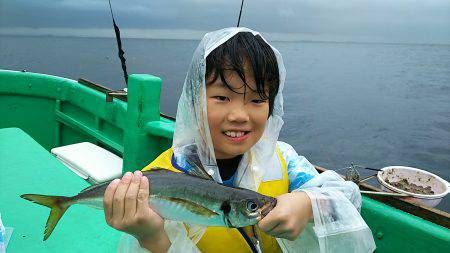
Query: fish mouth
x,y
268,206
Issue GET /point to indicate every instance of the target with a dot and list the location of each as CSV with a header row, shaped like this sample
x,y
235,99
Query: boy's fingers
x,y
277,231
269,222
144,191
131,195
108,199
119,196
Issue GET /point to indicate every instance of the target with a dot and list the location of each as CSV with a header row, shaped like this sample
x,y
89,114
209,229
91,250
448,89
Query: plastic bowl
x,y
423,178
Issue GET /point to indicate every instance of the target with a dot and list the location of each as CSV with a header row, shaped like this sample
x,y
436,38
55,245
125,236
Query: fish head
x,y
248,211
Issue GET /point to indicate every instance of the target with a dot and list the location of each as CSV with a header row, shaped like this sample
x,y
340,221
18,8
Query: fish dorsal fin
x,y
94,186
108,182
192,172
153,169
197,169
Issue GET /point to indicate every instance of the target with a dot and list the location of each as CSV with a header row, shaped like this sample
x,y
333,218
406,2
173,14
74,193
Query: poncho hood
x,y
192,134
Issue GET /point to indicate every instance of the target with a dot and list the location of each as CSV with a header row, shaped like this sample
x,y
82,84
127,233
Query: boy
x,y
229,117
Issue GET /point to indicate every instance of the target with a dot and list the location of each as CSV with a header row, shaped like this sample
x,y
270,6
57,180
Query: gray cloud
x,y
382,20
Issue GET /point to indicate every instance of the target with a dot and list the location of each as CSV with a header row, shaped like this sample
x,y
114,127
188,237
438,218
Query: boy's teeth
x,y
234,134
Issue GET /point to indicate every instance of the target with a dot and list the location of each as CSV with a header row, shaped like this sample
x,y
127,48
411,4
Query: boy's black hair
x,y
230,56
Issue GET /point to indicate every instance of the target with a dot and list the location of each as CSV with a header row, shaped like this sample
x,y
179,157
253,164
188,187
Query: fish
x,y
175,196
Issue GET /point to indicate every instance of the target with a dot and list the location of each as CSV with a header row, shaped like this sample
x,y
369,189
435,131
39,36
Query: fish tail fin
x,y
57,204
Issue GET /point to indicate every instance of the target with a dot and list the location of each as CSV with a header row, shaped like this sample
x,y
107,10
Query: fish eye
x,y
252,206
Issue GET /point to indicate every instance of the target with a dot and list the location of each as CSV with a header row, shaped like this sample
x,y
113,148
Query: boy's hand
x,y
126,209
289,217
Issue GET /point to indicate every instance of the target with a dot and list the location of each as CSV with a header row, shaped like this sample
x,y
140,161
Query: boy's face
x,y
236,119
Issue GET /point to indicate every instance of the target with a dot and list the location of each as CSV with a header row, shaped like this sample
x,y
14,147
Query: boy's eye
x,y
221,98
259,101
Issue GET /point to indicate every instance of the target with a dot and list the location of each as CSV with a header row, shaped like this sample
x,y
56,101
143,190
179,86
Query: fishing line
x,y
240,13
119,46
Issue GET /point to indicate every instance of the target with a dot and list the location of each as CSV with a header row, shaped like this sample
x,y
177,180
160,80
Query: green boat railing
x,y
57,111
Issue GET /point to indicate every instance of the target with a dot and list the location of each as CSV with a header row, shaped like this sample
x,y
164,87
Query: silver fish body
x,y
176,196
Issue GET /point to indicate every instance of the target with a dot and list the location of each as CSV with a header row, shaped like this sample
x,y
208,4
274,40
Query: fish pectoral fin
x,y
191,206
197,169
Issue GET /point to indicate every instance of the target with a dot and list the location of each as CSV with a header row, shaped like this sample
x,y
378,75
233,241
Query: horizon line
x,y
190,34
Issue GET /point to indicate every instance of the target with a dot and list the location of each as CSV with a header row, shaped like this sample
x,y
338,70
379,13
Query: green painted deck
x,y
26,167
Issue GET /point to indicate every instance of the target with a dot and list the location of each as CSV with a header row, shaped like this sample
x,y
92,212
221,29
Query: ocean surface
x,y
372,104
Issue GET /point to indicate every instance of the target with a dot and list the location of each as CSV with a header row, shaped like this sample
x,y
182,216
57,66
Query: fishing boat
x,y
41,112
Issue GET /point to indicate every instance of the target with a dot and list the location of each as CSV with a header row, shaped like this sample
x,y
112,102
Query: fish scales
x,y
177,185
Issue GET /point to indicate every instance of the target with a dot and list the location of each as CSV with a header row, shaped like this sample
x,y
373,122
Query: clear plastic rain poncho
x,y
337,225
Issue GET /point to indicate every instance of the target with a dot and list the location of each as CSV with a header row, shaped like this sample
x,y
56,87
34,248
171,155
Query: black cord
x,y
248,240
119,46
240,13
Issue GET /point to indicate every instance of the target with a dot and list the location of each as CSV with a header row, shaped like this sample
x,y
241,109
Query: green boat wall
x,y
57,111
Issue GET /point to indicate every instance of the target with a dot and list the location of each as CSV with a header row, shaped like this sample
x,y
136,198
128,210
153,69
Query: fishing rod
x,y
119,45
240,13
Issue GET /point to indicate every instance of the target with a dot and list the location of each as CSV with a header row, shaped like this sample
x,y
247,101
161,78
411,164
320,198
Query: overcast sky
x,y
409,21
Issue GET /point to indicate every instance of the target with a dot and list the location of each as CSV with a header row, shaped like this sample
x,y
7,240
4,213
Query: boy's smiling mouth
x,y
236,135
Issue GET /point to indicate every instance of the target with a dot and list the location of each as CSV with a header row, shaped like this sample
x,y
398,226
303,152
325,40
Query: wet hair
x,y
231,55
